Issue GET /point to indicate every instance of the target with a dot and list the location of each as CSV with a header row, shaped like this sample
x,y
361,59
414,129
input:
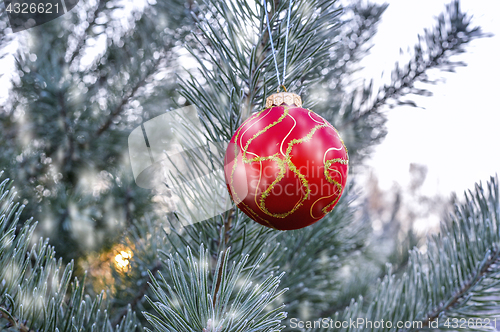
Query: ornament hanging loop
x,y
281,85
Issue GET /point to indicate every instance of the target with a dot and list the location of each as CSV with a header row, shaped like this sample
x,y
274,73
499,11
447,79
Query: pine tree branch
x,y
390,92
126,206
219,278
455,277
462,293
238,73
13,322
8,317
128,96
119,108
35,287
187,302
68,157
252,83
91,21
227,225
140,294
226,236
447,39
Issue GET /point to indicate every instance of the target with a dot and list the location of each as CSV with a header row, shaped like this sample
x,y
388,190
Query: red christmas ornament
x,y
286,167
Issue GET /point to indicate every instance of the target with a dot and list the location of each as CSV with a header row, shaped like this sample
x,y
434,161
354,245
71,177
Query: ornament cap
x,y
283,98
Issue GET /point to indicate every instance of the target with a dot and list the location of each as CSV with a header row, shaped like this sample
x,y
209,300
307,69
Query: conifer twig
x,y
13,322
219,277
140,295
459,294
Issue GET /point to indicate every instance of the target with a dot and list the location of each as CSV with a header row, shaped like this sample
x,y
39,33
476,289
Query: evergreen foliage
x,y
230,304
36,292
72,107
456,280
69,114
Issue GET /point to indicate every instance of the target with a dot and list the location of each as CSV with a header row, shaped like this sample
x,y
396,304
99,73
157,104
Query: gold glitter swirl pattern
x,y
235,194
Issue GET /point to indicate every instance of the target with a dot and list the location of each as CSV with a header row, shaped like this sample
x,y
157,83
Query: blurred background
x,y
71,93
449,142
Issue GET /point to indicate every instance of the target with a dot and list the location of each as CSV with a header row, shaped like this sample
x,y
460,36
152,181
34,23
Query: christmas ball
x,y
286,167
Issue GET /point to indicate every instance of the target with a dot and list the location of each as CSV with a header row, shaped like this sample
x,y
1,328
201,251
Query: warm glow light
x,y
122,260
